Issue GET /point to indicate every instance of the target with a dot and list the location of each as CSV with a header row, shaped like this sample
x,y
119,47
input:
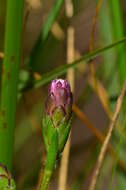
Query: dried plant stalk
x,y
107,139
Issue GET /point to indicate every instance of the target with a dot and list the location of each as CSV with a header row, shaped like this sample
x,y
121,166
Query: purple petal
x,y
59,95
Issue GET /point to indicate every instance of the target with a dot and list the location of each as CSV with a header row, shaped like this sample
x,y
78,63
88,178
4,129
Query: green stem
x,y
46,179
50,162
10,79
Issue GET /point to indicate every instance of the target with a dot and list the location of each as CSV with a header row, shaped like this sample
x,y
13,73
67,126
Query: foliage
x,y
98,79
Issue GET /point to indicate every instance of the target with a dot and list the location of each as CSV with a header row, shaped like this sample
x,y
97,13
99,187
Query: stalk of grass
x,y
108,137
63,68
10,71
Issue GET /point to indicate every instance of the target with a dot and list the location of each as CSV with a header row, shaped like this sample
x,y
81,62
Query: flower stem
x,y
50,163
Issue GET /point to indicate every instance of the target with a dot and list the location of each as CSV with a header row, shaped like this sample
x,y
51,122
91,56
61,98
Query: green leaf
x,y
45,30
51,18
63,131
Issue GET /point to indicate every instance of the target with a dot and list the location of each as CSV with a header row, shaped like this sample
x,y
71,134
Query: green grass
x,y
111,71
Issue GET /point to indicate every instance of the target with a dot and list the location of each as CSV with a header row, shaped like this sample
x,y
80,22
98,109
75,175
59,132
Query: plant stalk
x,y
50,163
63,68
9,84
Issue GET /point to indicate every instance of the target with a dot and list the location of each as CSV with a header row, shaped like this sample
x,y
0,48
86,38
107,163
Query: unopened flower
x,y
56,122
59,101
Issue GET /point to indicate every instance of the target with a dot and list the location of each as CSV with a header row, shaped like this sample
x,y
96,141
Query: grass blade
x,y
63,69
45,30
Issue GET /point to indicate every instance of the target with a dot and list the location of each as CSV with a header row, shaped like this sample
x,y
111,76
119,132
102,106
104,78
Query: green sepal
x,y
58,116
55,139
6,182
52,151
48,130
63,132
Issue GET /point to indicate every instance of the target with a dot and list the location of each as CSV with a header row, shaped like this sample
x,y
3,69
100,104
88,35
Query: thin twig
x,y
99,135
107,139
104,99
91,42
70,76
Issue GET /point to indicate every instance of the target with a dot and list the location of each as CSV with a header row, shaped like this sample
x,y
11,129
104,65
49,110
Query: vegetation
x,y
83,42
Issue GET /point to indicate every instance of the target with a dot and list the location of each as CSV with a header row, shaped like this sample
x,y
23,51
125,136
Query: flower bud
x,y
59,101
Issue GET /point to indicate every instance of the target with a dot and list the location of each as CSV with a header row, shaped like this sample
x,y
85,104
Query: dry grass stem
x,y
107,139
92,35
99,135
57,31
91,42
104,99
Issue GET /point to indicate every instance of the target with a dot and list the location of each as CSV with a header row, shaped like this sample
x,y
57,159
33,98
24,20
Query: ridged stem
x,y
10,71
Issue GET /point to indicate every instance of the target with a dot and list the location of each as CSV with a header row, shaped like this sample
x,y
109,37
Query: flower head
x,y
59,98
